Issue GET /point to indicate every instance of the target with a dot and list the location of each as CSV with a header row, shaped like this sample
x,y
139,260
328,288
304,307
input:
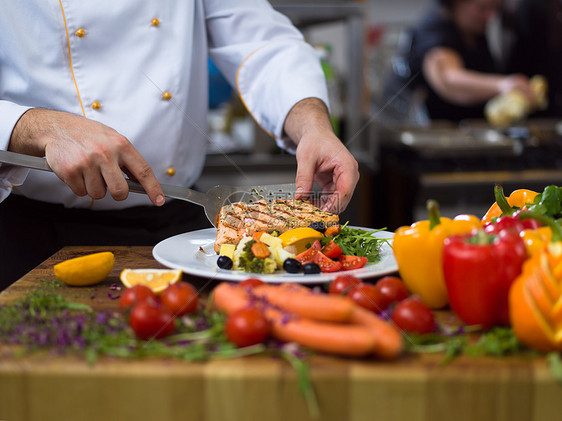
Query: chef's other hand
x,y
321,156
87,155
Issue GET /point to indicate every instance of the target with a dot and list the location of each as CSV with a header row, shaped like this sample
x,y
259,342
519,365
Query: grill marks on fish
x,y
244,219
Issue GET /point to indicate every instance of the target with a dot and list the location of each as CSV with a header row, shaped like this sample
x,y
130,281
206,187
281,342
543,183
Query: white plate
x,y
193,253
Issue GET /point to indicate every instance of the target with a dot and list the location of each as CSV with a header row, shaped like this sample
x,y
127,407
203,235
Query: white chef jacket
x,y
140,67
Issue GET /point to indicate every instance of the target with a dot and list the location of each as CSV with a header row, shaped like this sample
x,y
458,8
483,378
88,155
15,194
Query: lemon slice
x,y
301,238
85,270
156,279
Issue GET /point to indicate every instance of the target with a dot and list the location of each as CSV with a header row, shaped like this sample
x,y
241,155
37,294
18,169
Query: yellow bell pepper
x,y
418,251
516,200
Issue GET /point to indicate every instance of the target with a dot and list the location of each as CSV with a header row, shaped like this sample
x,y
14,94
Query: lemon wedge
x,y
156,279
300,238
85,270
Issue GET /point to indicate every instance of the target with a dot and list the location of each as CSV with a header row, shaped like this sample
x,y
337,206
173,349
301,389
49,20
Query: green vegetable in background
x,y
549,202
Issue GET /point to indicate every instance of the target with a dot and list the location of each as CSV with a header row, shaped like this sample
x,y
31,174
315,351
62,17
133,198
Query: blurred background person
x,y
445,64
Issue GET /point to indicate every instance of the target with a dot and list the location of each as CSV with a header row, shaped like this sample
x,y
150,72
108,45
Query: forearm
x,y
26,137
446,73
308,116
467,87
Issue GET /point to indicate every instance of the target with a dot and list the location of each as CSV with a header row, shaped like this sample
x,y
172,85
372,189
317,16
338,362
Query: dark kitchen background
x,y
405,157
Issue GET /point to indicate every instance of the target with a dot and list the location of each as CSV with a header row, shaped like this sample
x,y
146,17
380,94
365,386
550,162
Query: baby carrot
x,y
305,303
389,341
336,338
365,333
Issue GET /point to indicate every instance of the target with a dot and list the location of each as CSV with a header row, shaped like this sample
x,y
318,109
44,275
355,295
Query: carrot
x,y
336,338
229,298
260,250
332,230
257,235
306,303
389,342
365,334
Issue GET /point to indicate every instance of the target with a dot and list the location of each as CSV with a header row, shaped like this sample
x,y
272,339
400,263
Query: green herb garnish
x,y
358,242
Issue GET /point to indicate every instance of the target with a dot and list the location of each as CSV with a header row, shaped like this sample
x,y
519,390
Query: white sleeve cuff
x,y
10,175
10,113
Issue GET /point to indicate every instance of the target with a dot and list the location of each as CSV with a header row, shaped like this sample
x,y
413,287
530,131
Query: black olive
x,y
311,269
224,262
292,265
318,226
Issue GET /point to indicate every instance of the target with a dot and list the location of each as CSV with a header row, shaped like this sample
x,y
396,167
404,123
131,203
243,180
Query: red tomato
x,y
150,319
247,326
413,316
251,283
180,298
326,264
369,297
392,288
352,262
308,255
342,284
332,250
136,293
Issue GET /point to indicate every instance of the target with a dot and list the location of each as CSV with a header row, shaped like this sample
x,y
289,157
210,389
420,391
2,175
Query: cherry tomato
x,y
342,284
150,319
413,316
332,250
352,262
326,264
251,283
392,288
369,297
247,326
135,294
180,298
308,255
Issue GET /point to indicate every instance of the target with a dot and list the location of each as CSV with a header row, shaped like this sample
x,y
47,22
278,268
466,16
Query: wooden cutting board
x,y
44,387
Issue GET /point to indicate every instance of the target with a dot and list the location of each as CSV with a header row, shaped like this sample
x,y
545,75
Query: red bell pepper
x,y
479,268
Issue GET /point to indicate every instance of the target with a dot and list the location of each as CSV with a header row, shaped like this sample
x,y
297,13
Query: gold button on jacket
x,y
80,33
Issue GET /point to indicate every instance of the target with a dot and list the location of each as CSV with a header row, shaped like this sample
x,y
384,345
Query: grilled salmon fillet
x,y
238,220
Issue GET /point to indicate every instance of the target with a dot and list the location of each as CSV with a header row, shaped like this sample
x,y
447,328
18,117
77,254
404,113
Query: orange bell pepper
x,y
535,297
418,250
518,199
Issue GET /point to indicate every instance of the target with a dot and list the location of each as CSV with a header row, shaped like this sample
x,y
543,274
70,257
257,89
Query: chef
x,y
106,88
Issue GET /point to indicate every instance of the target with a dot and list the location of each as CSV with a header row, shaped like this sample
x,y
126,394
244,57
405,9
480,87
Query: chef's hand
x,y
87,155
321,156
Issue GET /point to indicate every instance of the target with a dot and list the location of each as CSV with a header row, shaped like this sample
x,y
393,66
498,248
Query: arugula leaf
x,y
358,242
